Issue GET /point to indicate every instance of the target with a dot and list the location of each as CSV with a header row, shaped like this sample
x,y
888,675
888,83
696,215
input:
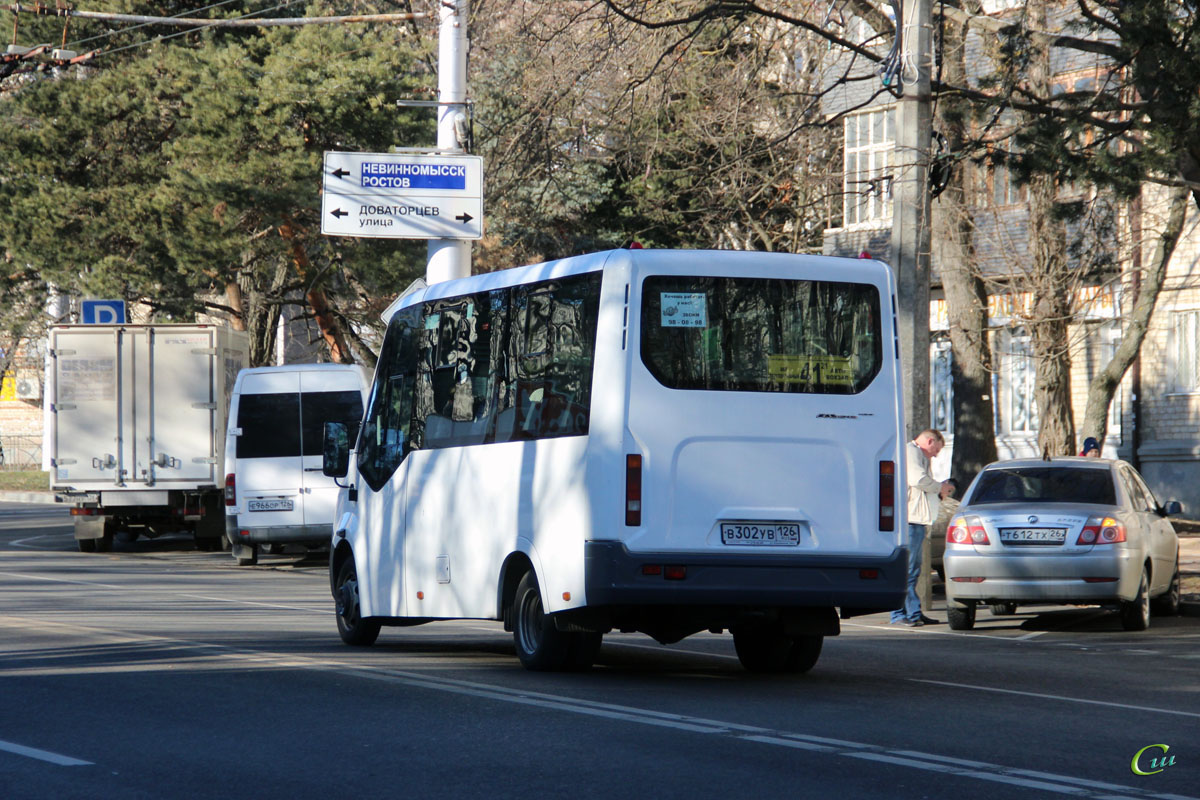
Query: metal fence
x,y
20,452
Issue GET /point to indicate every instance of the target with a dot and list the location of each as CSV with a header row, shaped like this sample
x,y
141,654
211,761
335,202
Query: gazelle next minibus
x,y
659,441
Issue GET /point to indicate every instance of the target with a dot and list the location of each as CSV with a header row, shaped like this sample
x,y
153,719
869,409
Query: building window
x,y
1183,351
941,389
1018,411
869,142
1005,191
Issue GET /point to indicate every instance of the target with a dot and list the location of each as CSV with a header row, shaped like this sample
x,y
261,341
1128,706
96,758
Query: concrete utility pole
x,y
911,213
451,258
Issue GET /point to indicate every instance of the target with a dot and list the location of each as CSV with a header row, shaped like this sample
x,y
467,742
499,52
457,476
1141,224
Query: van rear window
x,y
270,425
761,334
289,425
317,408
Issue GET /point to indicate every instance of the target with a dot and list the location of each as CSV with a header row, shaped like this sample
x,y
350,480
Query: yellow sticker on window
x,y
825,370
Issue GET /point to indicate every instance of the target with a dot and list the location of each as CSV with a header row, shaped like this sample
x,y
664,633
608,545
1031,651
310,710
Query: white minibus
x,y
635,440
275,492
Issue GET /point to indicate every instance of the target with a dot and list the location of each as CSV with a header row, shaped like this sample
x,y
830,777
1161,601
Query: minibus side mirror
x,y
335,455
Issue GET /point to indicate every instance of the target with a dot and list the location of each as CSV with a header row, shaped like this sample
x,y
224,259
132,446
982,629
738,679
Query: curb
x,y
43,498
1189,608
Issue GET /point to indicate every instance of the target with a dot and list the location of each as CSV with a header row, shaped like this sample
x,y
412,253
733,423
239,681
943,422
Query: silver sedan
x,y
1070,530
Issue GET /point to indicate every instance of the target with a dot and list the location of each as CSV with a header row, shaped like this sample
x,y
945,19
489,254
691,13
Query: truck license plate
x,y
759,534
276,504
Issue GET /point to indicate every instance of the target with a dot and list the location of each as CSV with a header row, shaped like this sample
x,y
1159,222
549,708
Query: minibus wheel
x,y
767,649
352,627
541,646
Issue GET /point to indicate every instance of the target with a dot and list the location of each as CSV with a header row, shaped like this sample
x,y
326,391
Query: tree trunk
x,y
1050,283
233,298
339,353
1100,393
966,295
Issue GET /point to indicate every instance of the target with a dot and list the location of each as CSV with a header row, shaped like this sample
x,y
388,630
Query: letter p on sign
x,y
102,312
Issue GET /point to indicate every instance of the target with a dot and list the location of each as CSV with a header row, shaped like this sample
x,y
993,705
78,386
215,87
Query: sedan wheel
x,y
961,618
1135,613
1167,604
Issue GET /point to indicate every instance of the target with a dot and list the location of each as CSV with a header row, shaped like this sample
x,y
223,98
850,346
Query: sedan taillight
x,y
966,530
1101,530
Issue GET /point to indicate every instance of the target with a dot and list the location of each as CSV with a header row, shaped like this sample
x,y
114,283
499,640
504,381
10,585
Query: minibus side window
x,y
554,341
384,439
454,359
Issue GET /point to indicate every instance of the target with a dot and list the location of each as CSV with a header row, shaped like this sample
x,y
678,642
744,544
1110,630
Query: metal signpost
x,y
402,196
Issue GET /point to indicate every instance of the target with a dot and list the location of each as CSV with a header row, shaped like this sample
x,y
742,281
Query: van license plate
x,y
280,504
759,534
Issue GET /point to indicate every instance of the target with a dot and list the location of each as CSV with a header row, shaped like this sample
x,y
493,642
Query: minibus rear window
x,y
761,334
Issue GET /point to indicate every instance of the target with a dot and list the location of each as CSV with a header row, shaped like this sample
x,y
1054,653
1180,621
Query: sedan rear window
x,y
1045,485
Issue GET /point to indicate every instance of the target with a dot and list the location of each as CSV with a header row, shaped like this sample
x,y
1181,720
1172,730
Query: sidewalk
x,y
46,498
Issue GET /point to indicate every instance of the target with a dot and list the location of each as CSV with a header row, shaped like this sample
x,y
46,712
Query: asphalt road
x,y
159,671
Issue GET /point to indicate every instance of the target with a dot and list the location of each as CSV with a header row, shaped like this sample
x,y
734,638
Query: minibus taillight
x,y
887,495
230,490
633,490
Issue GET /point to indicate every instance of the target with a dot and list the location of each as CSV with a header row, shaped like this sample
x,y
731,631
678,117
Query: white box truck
x,y
136,417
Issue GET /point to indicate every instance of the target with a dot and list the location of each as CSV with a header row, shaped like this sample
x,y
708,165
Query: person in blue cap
x,y
1091,447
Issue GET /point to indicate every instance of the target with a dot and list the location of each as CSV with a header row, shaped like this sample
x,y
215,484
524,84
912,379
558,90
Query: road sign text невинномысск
x,y
386,175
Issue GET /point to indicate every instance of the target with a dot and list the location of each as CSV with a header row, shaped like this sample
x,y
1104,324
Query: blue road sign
x,y
102,312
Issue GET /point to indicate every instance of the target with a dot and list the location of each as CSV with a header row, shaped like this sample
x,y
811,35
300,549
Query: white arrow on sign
x,y
402,196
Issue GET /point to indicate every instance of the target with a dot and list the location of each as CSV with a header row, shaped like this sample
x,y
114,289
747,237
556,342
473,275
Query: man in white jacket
x,y
924,496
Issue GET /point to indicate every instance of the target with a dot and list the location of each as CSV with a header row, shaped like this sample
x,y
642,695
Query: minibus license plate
x,y
760,534
280,504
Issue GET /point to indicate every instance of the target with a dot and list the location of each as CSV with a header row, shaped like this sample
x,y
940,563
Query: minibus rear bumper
x,y
616,576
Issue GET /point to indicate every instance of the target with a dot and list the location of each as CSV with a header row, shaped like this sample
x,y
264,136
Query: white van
x,y
639,440
275,492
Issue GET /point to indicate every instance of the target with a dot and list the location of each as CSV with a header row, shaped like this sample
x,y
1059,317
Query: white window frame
x,y
1183,352
1018,377
869,141
941,385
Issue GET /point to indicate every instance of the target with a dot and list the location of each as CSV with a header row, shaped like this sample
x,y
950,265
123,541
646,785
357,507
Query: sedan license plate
x,y
1033,535
278,504
758,534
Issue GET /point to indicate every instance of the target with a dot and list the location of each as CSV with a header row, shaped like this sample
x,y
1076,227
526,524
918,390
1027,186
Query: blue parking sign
x,y
102,312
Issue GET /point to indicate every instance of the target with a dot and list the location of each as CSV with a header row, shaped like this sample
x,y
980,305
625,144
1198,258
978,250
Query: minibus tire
x,y
769,650
805,652
540,645
353,629
585,646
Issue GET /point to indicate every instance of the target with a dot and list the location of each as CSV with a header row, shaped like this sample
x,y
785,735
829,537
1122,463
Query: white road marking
x,y
1063,698
42,755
